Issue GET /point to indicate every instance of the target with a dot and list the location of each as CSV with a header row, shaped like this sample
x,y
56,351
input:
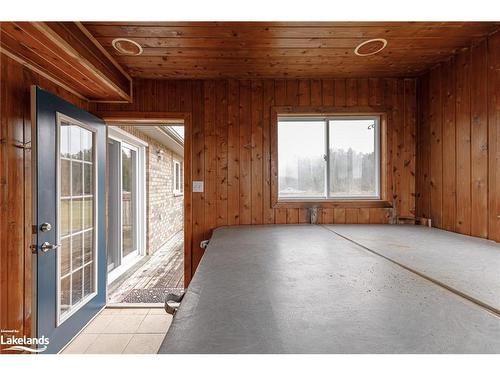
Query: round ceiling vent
x,y
127,46
370,47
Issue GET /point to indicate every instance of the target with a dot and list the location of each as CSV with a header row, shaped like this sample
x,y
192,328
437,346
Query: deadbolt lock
x,y
45,227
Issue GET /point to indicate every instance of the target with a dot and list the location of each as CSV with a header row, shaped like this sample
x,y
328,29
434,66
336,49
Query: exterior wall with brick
x,y
164,209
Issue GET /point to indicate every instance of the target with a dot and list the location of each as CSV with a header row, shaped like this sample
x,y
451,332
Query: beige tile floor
x,y
123,330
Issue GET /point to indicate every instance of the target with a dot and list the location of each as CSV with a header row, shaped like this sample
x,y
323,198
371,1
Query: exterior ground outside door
x,y
69,218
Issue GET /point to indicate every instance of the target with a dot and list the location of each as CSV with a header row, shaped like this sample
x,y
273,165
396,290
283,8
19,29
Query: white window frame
x,y
61,318
325,119
180,191
139,146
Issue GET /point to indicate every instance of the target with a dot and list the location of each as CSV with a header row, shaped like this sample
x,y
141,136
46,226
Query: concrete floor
x,y
125,331
305,289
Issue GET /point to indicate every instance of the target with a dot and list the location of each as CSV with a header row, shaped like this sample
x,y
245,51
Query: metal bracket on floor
x,y
204,244
172,303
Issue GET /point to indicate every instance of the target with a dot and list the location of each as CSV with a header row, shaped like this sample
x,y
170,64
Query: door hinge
x,y
17,144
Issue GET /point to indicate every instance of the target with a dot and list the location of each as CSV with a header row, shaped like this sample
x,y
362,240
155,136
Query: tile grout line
x,y
485,306
100,333
139,333
128,343
122,333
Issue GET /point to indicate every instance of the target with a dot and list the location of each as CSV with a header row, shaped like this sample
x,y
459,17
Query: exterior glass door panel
x,y
114,216
123,205
129,201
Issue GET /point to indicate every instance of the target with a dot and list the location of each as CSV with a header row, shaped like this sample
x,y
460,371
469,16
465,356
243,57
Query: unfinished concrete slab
x,y
303,289
466,264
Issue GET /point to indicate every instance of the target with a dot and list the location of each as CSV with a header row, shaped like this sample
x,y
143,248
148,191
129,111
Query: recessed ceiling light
x,y
127,47
370,47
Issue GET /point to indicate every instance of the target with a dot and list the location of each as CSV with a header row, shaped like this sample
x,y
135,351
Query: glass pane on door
x,y
129,192
76,206
114,199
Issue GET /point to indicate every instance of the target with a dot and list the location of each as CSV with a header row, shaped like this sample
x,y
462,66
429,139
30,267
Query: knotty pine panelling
x,y
15,197
263,50
231,143
458,142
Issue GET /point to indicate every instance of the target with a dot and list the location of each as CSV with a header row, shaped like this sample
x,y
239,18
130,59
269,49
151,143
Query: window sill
x,y
337,203
178,194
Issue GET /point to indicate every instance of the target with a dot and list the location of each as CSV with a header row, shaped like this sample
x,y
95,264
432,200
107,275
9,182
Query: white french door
x,y
126,202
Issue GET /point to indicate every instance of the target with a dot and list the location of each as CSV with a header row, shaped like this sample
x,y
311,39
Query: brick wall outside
x,y
164,210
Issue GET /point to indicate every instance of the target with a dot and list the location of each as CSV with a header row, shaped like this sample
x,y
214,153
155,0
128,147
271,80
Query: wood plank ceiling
x,y
66,54
201,50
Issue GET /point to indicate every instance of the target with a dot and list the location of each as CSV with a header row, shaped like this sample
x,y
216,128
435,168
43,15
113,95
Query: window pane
x,y
129,243
126,169
65,151
352,158
88,246
76,214
65,294
181,177
87,145
77,285
76,251
114,217
75,142
65,256
87,179
65,216
65,178
76,169
88,214
177,176
88,287
301,149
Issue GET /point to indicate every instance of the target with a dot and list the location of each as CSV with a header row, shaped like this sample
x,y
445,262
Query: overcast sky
x,y
306,138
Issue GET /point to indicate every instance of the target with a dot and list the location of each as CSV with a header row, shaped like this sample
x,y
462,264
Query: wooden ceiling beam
x,y
67,54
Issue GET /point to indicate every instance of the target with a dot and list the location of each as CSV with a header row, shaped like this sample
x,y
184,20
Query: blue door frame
x,y
47,106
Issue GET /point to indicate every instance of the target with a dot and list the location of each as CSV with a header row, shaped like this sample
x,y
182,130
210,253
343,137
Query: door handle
x,y
47,246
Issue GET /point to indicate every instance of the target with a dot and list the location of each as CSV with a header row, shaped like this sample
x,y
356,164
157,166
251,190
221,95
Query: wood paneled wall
x,y
231,143
15,191
458,142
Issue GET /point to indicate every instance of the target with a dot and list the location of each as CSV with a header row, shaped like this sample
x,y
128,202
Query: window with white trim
x,y
328,158
178,189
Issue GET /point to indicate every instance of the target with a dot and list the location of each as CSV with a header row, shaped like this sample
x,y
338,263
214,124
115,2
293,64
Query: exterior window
x,y
178,189
328,158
